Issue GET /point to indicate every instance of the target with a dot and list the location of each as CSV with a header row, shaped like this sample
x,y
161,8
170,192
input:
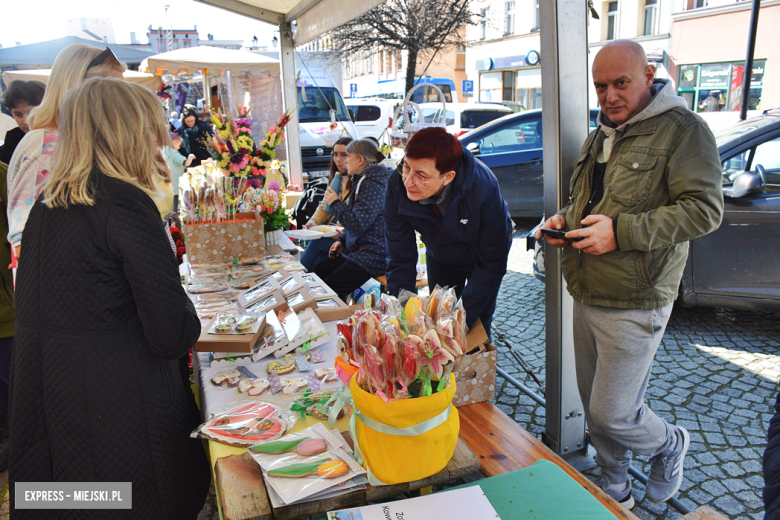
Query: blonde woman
x,y
30,165
100,387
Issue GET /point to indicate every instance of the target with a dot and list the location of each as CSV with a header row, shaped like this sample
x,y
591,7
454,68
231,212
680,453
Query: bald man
x,y
647,181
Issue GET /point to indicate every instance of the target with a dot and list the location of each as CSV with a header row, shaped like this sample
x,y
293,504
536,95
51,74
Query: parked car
x,y
734,266
372,116
464,117
512,148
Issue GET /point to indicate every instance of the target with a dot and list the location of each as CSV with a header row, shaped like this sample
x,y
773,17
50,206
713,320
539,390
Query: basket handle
x,y
408,102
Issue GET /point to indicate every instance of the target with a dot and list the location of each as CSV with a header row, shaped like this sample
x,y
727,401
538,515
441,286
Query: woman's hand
x,y
335,249
309,224
331,196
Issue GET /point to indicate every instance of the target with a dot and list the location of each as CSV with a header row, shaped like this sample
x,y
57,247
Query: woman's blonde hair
x,y
114,127
69,70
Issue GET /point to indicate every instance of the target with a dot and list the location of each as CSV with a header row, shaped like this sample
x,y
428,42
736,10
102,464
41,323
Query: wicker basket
x,y
400,138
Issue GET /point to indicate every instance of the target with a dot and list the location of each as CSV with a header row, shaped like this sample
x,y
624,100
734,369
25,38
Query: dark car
x,y
733,266
512,148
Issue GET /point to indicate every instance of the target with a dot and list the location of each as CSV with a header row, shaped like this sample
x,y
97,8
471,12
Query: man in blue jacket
x,y
455,203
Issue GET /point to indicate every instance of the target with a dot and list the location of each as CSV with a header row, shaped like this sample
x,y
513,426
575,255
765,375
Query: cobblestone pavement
x,y
716,374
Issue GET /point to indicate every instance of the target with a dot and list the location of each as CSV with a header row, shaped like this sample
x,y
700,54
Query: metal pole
x,y
751,48
290,101
564,60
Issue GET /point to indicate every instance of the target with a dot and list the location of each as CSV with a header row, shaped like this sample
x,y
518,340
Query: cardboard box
x,y
290,284
304,298
225,241
298,333
278,303
226,342
330,313
258,292
476,374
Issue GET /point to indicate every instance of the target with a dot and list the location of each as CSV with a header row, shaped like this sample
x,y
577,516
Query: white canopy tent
x,y
312,18
147,80
208,60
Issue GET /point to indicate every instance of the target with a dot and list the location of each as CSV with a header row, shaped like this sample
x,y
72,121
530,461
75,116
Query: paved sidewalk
x,y
716,374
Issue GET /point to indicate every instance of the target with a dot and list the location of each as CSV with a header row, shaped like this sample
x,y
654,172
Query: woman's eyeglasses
x,y
417,179
339,155
103,56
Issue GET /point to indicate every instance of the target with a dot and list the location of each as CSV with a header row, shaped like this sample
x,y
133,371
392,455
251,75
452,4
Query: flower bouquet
x,y
269,203
233,144
263,156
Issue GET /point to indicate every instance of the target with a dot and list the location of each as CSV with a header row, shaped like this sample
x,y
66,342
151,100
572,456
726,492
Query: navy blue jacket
x,y
361,216
475,234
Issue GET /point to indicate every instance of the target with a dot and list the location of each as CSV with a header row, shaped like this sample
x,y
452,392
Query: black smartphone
x,y
554,233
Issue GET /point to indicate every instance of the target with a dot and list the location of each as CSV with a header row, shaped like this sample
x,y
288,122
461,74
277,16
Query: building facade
x,y
707,57
182,38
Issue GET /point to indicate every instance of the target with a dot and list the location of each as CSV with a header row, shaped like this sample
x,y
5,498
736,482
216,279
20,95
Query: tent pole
x,y
747,75
564,60
290,100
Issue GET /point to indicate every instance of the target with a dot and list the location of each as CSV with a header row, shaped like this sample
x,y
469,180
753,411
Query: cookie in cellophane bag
x,y
246,424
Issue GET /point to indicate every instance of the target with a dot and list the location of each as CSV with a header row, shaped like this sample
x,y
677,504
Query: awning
x,y
212,59
43,54
314,17
147,80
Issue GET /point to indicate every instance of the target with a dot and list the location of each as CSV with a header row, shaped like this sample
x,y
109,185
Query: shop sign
x,y
688,76
510,62
715,75
655,55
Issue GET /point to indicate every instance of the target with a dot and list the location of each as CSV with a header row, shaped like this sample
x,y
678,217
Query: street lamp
x,y
275,41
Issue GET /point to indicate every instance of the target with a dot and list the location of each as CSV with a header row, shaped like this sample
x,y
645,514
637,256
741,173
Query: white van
x,y
464,117
372,116
319,105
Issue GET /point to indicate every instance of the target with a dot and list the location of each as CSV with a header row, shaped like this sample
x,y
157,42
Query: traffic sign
x,y
352,89
468,85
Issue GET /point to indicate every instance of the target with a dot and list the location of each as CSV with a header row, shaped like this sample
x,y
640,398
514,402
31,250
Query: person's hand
x,y
599,235
308,224
189,160
335,249
330,196
554,222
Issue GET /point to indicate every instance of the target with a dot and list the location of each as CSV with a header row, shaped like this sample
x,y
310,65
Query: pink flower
x,y
273,185
269,210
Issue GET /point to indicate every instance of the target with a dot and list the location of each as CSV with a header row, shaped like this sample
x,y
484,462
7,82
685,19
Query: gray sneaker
x,y
666,470
624,498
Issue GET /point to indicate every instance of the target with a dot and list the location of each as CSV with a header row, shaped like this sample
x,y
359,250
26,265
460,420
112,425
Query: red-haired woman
x,y
455,203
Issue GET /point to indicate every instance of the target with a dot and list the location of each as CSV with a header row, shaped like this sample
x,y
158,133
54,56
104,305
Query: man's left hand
x,y
330,196
599,236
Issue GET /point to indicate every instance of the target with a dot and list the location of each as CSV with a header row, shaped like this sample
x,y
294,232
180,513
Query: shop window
x,y
509,86
483,23
612,8
509,18
711,101
651,17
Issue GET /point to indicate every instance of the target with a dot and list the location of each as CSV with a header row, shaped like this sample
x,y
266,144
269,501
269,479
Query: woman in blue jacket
x,y
454,202
359,253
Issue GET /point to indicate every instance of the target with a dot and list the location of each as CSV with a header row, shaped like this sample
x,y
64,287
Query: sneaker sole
x,y
628,502
686,444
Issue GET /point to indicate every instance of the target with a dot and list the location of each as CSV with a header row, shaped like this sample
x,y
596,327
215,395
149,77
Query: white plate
x,y
304,234
327,231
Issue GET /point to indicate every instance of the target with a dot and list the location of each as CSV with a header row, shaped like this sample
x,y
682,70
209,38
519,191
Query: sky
x,y
43,20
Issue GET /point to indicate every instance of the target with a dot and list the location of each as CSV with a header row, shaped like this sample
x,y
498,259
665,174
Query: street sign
x,y
352,89
468,85
468,94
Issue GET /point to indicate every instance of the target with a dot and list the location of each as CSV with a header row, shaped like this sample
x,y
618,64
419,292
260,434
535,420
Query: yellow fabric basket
x,y
406,439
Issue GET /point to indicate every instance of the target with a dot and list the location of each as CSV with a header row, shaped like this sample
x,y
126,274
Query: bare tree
x,y
420,27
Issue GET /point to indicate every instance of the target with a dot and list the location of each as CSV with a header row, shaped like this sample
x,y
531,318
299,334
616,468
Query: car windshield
x,y
736,131
475,118
319,102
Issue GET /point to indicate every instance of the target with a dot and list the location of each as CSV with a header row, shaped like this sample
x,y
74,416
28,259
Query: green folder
x,y
541,491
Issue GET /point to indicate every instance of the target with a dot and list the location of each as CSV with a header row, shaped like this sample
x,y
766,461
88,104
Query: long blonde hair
x,y
114,127
69,69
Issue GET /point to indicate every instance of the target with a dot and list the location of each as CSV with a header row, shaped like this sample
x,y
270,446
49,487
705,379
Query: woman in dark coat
x,y
194,134
99,385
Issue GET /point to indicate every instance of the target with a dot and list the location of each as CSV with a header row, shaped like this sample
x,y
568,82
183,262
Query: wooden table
x,y
242,494
503,446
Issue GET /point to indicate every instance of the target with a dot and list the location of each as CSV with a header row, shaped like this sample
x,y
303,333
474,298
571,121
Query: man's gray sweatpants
x,y
614,351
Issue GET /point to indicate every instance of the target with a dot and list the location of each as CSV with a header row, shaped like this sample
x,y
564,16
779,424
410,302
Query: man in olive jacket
x,y
648,180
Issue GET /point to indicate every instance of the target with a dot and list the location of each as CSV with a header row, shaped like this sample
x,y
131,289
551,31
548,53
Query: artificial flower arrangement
x,y
233,144
269,203
403,351
263,158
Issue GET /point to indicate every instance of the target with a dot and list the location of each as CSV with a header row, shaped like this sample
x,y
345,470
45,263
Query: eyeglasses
x,y
103,56
342,155
417,179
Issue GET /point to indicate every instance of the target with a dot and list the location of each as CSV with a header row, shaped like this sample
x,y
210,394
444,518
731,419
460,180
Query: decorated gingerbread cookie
x,y
285,365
